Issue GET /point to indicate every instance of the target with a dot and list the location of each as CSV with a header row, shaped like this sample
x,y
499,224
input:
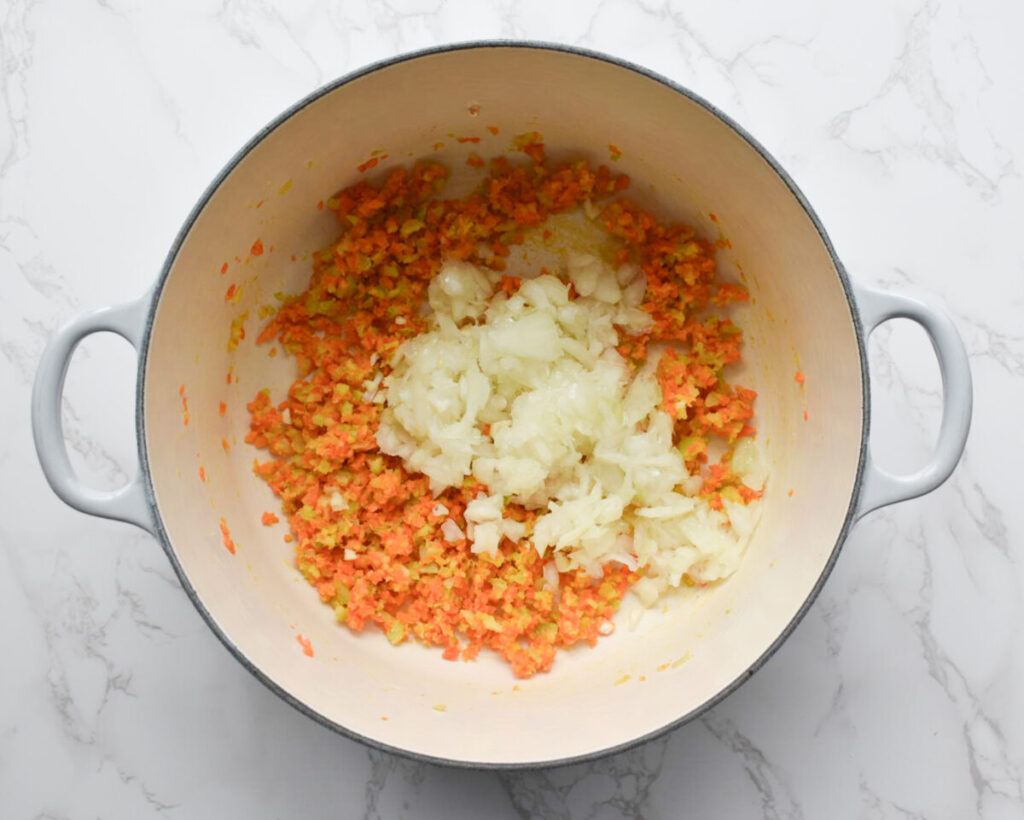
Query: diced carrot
x,y
269,519
307,647
257,248
370,543
229,544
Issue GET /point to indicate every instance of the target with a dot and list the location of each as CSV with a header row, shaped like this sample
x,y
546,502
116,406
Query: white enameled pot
x,y
685,159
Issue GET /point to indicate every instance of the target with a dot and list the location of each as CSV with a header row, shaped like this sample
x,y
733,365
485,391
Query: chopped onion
x,y
451,531
572,431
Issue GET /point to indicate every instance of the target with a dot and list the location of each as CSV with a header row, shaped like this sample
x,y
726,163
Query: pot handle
x,y
879,487
129,503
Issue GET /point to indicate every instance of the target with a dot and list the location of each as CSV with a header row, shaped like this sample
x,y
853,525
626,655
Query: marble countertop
x,y
900,694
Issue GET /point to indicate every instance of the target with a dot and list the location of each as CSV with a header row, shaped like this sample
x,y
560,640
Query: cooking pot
x,y
259,220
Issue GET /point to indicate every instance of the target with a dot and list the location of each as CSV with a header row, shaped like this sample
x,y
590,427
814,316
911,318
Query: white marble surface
x,y
900,695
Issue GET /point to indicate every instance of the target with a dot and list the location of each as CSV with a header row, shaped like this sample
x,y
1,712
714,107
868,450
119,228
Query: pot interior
x,y
684,162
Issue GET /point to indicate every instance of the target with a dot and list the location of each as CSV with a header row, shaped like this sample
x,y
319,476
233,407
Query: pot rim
x,y
194,214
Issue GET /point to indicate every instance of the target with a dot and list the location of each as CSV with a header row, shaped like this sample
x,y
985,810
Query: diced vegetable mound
x,y
474,459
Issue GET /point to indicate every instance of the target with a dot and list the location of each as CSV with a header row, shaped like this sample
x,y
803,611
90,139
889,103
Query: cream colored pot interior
x,y
683,161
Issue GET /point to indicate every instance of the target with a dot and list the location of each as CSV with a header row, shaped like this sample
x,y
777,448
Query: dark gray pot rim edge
x,y
143,352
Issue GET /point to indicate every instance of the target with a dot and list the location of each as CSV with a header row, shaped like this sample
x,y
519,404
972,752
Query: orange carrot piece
x,y
229,544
